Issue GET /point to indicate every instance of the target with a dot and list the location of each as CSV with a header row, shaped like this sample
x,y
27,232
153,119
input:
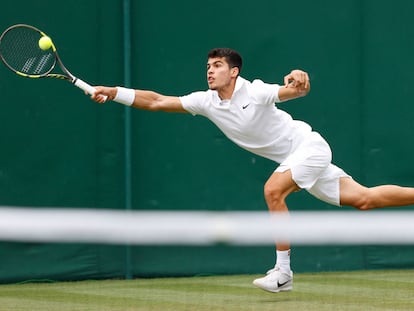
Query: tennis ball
x,y
45,43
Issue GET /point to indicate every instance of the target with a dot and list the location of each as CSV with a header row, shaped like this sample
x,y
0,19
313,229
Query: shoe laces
x,y
274,269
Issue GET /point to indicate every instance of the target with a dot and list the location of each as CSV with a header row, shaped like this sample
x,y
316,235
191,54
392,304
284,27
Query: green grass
x,y
367,290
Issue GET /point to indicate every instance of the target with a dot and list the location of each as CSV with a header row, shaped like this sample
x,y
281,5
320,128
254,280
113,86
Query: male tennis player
x,y
246,113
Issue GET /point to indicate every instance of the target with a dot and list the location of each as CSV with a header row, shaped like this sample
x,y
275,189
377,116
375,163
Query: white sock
x,y
283,260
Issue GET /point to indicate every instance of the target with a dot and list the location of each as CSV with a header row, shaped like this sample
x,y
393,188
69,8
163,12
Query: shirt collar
x,y
240,82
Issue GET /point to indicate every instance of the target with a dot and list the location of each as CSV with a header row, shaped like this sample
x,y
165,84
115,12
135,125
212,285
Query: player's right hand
x,y
103,94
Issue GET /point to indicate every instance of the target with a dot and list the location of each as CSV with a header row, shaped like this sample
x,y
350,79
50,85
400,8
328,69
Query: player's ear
x,y
235,71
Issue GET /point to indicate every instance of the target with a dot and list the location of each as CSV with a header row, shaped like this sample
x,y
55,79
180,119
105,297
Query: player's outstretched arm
x,y
147,100
297,84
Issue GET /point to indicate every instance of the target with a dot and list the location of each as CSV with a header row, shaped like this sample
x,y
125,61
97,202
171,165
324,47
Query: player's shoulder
x,y
258,82
263,92
198,94
253,84
197,100
203,96
256,86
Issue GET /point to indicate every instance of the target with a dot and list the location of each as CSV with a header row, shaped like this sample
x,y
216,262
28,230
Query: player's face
x,y
219,73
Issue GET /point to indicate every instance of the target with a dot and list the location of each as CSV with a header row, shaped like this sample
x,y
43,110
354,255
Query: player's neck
x,y
226,92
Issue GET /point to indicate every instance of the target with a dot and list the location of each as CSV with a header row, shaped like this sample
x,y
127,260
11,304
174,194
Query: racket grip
x,y
86,87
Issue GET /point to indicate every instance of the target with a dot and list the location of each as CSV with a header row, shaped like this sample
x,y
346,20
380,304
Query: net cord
x,y
63,225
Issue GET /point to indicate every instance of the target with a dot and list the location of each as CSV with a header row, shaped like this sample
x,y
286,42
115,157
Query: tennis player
x,y
247,114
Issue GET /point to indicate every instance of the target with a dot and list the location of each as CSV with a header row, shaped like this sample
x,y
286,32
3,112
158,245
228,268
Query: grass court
x,y
364,290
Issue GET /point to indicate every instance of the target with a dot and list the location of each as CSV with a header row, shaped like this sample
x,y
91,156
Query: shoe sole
x,y
284,288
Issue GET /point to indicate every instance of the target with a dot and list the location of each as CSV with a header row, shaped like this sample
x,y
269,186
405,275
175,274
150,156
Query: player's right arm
x,y
146,100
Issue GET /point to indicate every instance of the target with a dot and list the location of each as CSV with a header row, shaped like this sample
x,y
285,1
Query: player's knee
x,y
273,194
364,202
355,195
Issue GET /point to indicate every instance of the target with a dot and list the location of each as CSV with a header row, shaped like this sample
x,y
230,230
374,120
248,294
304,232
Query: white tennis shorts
x,y
312,170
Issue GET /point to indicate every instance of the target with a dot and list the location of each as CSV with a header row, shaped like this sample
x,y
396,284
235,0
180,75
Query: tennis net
x,y
204,227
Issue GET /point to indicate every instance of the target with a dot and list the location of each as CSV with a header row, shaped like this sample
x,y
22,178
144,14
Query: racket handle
x,y
86,87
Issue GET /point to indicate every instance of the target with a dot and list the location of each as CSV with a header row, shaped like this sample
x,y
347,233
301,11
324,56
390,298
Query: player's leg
x,y
276,189
300,170
356,195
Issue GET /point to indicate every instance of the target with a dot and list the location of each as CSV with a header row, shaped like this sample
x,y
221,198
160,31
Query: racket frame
x,y
68,76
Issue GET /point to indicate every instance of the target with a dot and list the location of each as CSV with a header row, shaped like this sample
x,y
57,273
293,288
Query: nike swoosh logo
x,y
281,284
244,107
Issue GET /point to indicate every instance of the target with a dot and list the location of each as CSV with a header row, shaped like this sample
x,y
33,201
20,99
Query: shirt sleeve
x,y
194,103
265,92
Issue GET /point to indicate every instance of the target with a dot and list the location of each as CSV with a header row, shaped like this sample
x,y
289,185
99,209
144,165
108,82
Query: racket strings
x,y
19,48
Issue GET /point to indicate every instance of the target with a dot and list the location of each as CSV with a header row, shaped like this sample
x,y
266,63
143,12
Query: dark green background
x,y
60,149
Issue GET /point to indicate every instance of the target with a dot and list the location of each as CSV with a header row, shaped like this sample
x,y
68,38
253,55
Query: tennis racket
x,y
21,53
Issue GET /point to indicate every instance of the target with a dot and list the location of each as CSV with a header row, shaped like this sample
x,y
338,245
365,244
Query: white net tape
x,y
204,228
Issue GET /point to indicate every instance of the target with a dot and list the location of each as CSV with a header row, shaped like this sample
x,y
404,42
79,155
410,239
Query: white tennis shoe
x,y
275,281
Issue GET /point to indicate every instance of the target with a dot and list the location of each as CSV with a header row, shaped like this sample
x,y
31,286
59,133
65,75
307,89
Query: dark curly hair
x,y
232,57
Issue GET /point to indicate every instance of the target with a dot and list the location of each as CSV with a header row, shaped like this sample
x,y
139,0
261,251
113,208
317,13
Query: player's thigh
x,y
351,192
281,183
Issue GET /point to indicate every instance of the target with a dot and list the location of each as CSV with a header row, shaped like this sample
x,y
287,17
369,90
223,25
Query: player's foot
x,y
275,281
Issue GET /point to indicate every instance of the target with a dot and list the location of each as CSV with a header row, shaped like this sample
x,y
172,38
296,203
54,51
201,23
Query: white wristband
x,y
125,96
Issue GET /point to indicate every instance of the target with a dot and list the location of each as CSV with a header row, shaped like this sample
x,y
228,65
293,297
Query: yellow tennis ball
x,y
45,43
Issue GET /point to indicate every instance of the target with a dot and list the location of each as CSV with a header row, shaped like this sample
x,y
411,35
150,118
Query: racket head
x,y
20,52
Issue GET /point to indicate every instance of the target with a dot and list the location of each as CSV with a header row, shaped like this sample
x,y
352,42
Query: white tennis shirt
x,y
250,118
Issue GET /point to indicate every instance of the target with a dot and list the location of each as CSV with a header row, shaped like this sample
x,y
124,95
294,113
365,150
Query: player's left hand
x,y
298,79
